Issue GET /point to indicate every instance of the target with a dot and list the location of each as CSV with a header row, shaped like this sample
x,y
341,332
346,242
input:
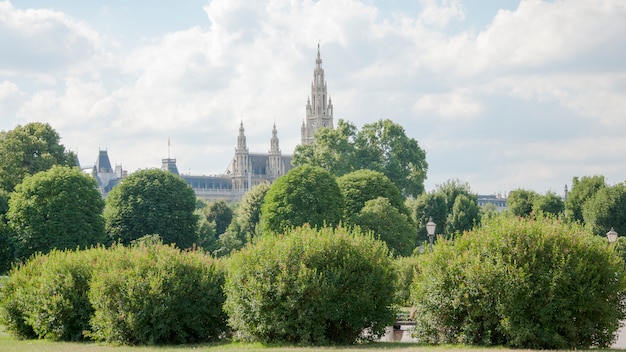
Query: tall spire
x,y
274,148
319,108
241,139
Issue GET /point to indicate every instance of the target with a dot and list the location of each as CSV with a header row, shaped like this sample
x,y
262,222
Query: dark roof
x,y
102,163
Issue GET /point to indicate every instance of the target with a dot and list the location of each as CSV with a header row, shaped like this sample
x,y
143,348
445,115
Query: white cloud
x,y
486,104
440,13
453,105
45,40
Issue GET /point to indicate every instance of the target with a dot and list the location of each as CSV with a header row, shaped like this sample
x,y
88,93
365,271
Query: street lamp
x,y
611,235
430,229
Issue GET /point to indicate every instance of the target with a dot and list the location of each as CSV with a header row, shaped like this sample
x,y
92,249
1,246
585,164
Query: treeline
x,y
512,282
328,249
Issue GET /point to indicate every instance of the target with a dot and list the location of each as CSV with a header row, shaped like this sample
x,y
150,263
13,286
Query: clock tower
x,y
319,106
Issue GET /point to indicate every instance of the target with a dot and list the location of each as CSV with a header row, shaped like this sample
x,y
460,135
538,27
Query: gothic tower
x,y
241,163
319,106
275,167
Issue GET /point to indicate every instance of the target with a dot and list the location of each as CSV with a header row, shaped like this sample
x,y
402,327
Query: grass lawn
x,y
10,344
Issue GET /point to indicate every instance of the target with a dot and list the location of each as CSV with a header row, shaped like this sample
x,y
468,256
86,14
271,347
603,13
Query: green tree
x,y
439,204
582,190
427,205
218,212
488,211
152,202
606,209
453,188
245,226
311,287
464,216
305,195
389,225
206,233
333,150
29,149
520,202
360,186
534,284
59,208
248,214
381,146
7,254
549,203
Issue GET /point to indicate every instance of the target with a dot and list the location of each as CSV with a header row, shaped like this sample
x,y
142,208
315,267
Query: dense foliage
x,y
606,209
150,202
29,149
521,283
310,287
381,146
58,208
155,294
360,186
145,294
453,206
305,195
583,189
520,202
47,296
388,224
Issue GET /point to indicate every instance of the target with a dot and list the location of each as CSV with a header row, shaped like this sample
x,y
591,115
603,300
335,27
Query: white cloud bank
x,y
530,100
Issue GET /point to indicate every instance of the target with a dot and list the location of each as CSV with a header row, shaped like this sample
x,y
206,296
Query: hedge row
x,y
309,286
522,283
146,294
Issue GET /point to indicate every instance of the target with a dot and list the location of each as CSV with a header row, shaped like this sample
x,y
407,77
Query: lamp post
x,y
611,235
430,229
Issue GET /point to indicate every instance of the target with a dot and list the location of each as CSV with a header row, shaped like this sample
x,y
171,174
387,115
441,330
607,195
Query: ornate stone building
x,y
319,107
246,169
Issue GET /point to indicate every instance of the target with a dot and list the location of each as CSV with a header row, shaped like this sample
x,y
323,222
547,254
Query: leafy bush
x,y
155,294
304,195
47,296
523,283
310,287
406,269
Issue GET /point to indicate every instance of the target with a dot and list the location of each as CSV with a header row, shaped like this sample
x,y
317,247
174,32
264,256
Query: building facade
x,y
246,169
319,106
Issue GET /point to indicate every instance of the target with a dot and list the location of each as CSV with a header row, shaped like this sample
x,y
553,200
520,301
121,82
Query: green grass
x,y
10,344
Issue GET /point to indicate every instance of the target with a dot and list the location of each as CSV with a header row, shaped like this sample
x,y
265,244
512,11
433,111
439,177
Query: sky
x,y
501,94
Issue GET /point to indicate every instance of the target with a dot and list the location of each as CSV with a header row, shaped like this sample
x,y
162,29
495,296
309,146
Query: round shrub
x,y
522,283
156,294
311,287
48,296
305,195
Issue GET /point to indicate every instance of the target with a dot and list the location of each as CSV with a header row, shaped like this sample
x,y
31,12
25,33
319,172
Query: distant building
x,y
246,169
495,199
105,175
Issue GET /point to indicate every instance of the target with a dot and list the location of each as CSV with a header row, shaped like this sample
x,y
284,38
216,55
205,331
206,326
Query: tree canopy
x,y
59,208
28,149
582,190
360,186
388,224
520,202
381,146
606,209
152,202
449,215
306,194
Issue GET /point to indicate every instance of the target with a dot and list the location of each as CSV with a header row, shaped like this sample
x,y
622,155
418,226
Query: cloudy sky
x,y
502,94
